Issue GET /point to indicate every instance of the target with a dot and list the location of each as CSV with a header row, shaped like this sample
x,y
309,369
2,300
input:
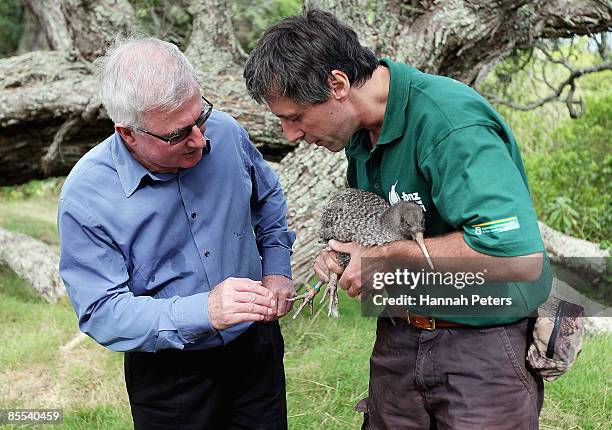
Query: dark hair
x,y
294,58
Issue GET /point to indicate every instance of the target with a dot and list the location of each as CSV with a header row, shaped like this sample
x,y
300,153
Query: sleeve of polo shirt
x,y
477,187
269,213
95,275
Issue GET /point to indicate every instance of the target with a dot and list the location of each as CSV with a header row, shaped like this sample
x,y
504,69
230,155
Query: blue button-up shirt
x,y
140,251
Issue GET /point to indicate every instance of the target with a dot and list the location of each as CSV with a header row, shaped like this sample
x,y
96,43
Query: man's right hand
x,y
325,263
237,300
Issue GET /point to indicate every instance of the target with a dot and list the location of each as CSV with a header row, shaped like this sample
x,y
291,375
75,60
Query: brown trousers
x,y
456,378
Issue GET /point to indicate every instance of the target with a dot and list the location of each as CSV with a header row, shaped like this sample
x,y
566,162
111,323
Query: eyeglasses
x,y
178,136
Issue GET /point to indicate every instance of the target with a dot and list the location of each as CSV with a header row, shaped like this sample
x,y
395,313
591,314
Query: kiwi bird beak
x,y
419,240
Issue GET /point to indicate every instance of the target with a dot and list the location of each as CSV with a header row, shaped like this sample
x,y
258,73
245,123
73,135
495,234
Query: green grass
x,y
31,329
32,224
98,417
31,213
87,383
326,366
89,418
582,399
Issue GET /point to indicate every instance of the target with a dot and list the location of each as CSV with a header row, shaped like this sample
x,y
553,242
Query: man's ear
x,y
126,133
340,85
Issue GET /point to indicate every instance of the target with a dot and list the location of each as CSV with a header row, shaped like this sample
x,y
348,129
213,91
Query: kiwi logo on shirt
x,y
394,197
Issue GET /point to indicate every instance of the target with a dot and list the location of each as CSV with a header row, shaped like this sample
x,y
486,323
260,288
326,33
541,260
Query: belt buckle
x,y
432,321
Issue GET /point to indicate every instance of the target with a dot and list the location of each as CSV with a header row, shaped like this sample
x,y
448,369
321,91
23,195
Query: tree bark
x,y
582,257
85,26
464,39
48,105
54,92
33,37
49,111
34,262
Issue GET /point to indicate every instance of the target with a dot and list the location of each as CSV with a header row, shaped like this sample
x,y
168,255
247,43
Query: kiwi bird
x,y
363,217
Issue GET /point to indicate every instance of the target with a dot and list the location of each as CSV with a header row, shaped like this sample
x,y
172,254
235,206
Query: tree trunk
x,y
54,92
49,115
308,185
85,26
34,262
33,37
582,257
49,111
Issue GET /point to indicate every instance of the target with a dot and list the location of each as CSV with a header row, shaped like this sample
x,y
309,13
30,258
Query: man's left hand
x,y
283,289
352,277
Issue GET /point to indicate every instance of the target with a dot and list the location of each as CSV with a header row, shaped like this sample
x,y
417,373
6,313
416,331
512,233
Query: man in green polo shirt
x,y
434,141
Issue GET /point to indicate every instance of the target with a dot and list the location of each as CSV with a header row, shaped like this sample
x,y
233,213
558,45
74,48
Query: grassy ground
x,y
31,209
326,360
326,365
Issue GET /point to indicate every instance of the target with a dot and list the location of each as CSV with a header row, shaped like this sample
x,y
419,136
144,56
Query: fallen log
x,y
582,257
34,262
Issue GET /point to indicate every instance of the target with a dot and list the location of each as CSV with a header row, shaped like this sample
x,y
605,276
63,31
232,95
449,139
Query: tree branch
x,y
55,149
563,18
51,17
556,95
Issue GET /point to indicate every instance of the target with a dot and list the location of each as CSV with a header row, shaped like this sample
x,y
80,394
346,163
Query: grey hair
x,y
139,74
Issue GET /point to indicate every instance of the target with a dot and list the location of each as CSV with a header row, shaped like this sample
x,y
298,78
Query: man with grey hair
x,y
175,249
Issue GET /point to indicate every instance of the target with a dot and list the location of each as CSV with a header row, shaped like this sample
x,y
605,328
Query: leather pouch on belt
x,y
557,338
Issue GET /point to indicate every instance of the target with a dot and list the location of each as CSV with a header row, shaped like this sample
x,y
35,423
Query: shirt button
x,y
193,215
206,253
377,185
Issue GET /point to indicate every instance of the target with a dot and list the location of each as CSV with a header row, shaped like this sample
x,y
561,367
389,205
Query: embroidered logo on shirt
x,y
505,224
394,197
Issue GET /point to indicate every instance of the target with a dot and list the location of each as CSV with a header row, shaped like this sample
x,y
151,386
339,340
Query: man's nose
x,y
196,138
291,131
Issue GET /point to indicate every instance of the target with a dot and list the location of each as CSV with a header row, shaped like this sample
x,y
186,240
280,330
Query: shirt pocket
x,y
158,278
244,250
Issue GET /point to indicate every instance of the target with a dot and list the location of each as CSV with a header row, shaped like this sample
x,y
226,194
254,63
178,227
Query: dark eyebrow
x,y
293,115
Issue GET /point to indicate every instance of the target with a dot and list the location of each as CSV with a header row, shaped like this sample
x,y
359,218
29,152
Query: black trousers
x,y
237,386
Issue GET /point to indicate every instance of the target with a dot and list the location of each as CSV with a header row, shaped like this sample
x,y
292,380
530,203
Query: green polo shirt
x,y
443,146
